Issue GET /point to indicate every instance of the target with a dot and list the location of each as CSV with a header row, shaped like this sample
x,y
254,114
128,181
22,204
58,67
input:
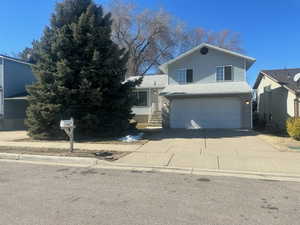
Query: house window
x,y
189,76
141,98
184,76
224,73
181,76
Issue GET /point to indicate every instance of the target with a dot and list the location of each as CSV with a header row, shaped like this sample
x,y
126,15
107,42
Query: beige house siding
x,y
204,66
275,103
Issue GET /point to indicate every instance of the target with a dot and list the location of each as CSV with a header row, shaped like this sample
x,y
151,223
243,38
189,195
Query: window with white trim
x,y
141,98
181,76
224,73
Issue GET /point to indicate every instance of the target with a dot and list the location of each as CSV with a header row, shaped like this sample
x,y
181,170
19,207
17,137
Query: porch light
x,y
247,102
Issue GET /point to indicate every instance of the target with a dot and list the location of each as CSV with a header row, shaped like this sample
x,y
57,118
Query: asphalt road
x,y
45,195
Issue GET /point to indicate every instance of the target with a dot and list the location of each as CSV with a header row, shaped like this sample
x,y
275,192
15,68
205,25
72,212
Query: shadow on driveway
x,y
200,133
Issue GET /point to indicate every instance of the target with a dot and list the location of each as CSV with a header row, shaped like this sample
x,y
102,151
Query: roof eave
x,y
204,94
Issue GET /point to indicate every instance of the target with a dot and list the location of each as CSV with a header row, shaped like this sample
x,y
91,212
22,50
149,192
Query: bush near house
x,y
293,127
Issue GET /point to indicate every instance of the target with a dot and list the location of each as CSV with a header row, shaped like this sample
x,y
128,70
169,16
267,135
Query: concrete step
x,y
155,122
159,117
154,125
158,120
156,117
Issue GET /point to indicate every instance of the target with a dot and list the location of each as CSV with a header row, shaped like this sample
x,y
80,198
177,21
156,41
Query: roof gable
x,y
249,60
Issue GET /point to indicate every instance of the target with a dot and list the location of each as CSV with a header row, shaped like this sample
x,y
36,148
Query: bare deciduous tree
x,y
225,39
152,37
148,35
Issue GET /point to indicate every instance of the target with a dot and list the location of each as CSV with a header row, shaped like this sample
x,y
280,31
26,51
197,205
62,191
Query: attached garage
x,y
205,112
209,105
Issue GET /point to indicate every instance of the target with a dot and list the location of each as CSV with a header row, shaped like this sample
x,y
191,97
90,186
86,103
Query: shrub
x,y
258,123
293,127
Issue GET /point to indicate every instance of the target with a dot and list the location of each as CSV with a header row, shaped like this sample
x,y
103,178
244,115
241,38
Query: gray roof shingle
x,y
282,76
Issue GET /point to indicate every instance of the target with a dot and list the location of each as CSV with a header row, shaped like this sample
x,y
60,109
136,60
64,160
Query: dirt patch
x,y
114,155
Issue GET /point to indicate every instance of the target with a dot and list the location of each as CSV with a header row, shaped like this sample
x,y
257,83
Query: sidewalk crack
x,y
170,159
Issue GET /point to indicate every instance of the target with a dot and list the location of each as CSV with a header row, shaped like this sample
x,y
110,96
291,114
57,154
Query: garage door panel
x,y
206,113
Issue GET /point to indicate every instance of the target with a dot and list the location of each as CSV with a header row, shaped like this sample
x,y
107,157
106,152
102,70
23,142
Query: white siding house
x,y
206,87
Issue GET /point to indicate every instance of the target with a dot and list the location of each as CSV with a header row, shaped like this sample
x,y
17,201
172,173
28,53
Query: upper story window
x,y
141,98
224,73
184,76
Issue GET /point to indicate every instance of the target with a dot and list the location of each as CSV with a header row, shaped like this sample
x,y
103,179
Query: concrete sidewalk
x,y
66,145
19,139
215,150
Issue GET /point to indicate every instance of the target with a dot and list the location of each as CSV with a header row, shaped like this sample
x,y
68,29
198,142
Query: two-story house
x,y
205,87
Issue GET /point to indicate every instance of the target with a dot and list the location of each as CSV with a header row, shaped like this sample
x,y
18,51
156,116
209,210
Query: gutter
x,y
204,94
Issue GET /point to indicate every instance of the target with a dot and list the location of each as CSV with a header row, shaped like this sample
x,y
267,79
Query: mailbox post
x,y
68,126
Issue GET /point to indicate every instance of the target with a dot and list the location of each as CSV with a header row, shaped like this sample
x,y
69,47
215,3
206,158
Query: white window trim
x,y
223,80
148,97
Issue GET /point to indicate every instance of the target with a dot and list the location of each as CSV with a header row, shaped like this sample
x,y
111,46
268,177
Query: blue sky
x,y
270,30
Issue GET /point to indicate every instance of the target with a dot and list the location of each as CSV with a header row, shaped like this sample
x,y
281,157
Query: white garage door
x,y
206,112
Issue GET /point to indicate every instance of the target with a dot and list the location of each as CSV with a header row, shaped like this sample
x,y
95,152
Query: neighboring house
x,y
277,96
206,88
15,74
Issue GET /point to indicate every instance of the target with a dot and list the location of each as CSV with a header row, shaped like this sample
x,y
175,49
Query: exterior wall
x,y
1,86
145,110
14,115
16,76
1,71
275,103
246,110
204,66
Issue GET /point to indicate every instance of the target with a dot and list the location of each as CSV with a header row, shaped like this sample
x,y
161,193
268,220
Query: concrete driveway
x,y
231,150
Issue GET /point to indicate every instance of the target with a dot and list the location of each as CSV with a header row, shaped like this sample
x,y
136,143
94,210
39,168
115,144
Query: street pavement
x,y
32,194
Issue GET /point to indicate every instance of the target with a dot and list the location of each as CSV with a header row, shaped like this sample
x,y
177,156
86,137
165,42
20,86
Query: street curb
x,y
45,158
91,162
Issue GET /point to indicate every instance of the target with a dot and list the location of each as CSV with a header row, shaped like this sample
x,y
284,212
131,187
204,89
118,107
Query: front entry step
x,y
155,120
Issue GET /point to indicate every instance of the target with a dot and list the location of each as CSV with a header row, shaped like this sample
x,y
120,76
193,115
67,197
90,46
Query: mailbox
x,y
66,124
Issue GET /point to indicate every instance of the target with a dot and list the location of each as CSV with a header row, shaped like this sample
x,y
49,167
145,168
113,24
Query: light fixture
x,y
247,102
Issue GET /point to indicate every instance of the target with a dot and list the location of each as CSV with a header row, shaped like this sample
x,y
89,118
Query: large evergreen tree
x,y
80,73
